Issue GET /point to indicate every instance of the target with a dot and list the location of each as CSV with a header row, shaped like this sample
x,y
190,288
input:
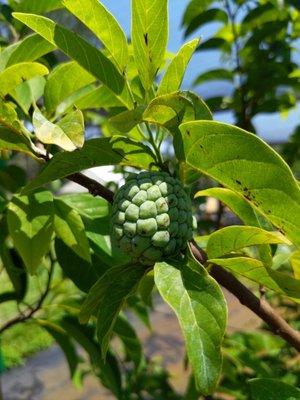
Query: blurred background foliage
x,y
258,73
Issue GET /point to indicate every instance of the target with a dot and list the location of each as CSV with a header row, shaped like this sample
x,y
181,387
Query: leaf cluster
x,y
134,93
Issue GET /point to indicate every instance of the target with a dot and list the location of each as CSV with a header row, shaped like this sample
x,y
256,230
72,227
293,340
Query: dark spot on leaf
x,y
146,38
238,182
188,133
247,196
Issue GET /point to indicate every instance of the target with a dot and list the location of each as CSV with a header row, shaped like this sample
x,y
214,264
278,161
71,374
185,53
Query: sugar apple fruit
x,y
152,217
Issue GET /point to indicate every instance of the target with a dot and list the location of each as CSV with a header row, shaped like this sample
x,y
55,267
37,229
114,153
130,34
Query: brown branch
x,y
29,313
259,306
94,187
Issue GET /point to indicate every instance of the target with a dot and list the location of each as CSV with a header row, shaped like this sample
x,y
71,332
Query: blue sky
x,y
271,127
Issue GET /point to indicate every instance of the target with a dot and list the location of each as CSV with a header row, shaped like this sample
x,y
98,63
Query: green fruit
x,y
152,217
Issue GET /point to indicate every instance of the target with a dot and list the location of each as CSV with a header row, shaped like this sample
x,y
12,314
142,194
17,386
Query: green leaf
x,y
214,75
95,152
12,76
68,133
12,141
204,17
108,372
5,54
64,80
149,37
168,111
99,97
256,271
69,227
244,163
15,269
30,224
243,209
69,103
235,238
272,389
2,205
104,25
173,109
215,43
107,297
38,7
81,272
12,178
202,111
146,287
98,233
72,125
295,262
127,120
84,336
191,391
30,48
27,93
131,342
64,342
87,205
136,305
89,57
193,9
262,14
9,118
201,310
7,296
295,74
173,76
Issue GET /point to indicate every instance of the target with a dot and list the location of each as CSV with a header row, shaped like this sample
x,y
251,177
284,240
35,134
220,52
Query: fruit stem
x,y
155,148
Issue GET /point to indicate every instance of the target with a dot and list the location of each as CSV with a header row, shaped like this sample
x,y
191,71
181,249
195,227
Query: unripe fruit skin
x,y
152,217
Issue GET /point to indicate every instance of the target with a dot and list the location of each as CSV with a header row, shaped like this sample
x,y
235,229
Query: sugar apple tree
x,y
118,246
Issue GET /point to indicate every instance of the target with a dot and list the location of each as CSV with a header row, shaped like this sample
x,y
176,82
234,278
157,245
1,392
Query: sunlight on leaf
x,y
68,133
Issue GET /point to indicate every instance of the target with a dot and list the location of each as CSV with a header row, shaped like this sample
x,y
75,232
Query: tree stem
x,y
30,312
259,306
155,148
